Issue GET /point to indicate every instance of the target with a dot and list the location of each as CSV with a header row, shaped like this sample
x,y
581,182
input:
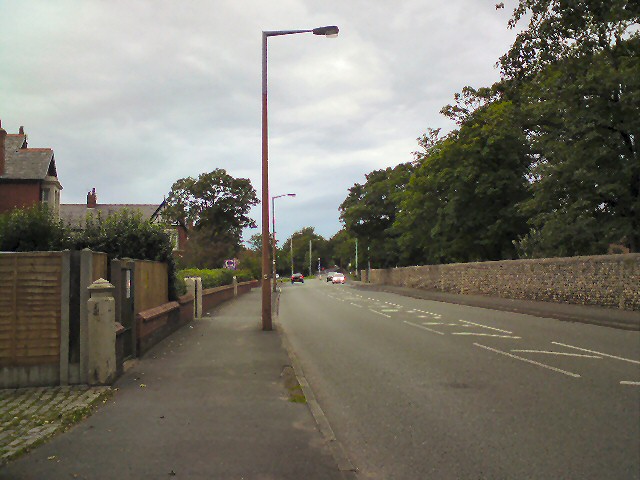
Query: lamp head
x,y
330,31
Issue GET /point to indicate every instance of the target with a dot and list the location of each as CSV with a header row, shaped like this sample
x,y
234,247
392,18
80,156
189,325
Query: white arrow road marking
x,y
597,353
529,361
380,313
424,328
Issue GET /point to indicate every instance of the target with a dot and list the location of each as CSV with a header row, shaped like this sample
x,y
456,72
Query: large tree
x,y
370,210
461,203
215,205
576,72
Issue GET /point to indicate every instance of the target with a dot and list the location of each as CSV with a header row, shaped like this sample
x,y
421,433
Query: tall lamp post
x,y
330,31
273,231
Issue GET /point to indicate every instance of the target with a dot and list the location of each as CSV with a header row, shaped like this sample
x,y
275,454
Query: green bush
x,y
126,234
218,277
31,230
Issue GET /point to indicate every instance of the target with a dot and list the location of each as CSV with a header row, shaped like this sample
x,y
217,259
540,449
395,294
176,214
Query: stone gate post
x,y
101,320
194,287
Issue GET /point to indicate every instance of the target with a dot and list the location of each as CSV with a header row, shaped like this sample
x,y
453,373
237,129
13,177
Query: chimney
x,y
21,130
92,199
3,137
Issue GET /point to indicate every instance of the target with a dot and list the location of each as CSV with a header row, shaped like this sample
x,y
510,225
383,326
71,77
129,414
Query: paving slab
x,y
211,401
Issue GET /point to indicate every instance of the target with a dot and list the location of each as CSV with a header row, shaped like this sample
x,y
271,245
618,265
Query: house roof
x,y
23,163
75,213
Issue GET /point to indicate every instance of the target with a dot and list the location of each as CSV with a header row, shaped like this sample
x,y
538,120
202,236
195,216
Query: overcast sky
x,y
133,95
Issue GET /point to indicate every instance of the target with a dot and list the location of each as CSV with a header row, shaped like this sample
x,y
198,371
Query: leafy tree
x,y
461,203
576,72
300,239
206,251
216,205
250,260
343,247
370,210
32,229
566,29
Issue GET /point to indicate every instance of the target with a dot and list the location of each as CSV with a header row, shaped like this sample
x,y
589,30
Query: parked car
x,y
338,278
297,277
330,276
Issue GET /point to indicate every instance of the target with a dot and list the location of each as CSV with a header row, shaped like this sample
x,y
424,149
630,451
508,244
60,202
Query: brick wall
x,y
18,195
604,280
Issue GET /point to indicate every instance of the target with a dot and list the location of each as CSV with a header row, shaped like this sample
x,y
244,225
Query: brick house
x,y
74,214
28,176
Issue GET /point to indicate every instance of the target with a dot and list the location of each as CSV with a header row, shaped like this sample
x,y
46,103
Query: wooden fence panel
x,y
151,284
30,308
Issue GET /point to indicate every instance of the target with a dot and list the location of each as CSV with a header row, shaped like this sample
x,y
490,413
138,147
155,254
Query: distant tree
x,y
216,206
370,210
215,201
250,260
343,249
300,239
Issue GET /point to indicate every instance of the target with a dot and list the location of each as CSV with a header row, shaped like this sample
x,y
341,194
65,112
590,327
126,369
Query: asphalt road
x,y
421,389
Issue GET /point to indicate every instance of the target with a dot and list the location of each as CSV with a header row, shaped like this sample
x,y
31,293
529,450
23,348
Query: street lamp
x,y
273,230
330,31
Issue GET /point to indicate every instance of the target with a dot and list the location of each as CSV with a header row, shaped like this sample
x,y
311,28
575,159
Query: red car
x,y
297,277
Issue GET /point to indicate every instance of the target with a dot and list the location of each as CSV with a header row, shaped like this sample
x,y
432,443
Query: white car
x,y
338,278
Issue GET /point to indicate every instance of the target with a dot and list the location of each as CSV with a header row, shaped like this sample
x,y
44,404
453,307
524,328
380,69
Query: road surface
x,y
416,389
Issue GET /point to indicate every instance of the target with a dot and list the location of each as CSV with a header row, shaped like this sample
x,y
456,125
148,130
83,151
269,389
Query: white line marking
x,y
389,310
423,316
557,353
379,313
424,328
528,361
625,382
432,323
484,335
356,305
597,353
485,326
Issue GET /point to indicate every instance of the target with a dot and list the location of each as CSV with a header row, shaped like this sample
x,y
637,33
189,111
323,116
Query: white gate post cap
x,y
101,288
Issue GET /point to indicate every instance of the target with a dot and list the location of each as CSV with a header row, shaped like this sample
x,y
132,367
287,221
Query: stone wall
x,y
605,280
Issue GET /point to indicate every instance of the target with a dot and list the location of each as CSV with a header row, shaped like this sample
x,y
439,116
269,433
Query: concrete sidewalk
x,y
216,400
607,317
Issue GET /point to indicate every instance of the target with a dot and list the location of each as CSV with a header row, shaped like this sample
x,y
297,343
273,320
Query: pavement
x,y
219,399
595,315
